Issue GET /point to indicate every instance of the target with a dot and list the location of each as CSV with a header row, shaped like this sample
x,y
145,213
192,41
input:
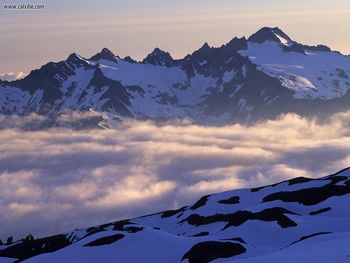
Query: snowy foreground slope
x,y
300,220
242,81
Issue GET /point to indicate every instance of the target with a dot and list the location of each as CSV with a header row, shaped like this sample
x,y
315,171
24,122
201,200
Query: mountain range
x,y
243,81
299,220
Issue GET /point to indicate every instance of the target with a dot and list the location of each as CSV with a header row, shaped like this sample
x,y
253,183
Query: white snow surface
x,y
284,41
320,237
315,74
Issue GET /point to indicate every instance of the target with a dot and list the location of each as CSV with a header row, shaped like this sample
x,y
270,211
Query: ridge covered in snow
x,y
242,81
299,220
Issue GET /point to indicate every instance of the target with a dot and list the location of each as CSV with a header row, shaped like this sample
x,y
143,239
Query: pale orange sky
x,y
32,38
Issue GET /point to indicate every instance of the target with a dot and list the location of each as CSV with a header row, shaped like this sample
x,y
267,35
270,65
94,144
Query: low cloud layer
x,y
12,76
55,180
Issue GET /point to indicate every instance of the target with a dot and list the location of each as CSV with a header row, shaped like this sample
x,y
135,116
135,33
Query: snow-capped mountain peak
x,y
159,57
105,54
271,34
74,57
245,80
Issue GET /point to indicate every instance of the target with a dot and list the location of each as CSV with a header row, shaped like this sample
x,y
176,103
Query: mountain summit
x,y
270,34
105,54
245,80
159,58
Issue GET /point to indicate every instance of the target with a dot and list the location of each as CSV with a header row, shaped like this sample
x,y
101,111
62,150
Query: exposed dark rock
x,y
238,43
105,54
120,225
171,213
307,237
240,217
130,60
166,98
201,234
318,48
31,248
159,58
268,34
117,226
105,240
320,211
311,196
230,201
201,202
205,252
257,189
337,179
133,229
299,180
117,96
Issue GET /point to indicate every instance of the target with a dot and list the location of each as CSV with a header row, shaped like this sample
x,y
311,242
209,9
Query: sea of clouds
x,y
54,180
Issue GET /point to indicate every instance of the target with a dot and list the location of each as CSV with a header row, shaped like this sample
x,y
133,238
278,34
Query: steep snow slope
x,y
300,220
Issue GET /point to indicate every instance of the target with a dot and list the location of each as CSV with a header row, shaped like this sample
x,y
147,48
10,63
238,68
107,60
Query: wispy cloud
x,y
12,76
66,178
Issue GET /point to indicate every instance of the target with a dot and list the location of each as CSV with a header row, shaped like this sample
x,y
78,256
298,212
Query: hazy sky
x,y
29,39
